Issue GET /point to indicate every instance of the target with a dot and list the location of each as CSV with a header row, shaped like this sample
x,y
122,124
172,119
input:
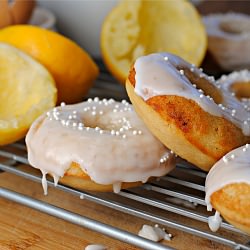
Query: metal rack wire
x,y
180,193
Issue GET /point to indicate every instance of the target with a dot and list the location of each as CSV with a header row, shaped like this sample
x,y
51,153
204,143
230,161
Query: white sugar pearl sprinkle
x,y
225,159
182,72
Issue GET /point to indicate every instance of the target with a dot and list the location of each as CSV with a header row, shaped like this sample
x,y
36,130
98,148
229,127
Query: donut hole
x,y
241,90
92,123
202,83
104,122
235,25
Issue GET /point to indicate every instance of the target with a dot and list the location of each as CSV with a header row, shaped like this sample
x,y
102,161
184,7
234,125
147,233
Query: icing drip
x,y
56,179
117,187
214,221
159,74
44,183
234,167
154,233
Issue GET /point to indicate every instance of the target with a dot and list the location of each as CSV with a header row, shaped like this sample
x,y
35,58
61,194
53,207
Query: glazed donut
x,y
96,145
229,39
237,84
186,110
228,189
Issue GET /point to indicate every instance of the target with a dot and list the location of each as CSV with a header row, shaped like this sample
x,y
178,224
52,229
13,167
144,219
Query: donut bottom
x,y
233,203
182,126
76,178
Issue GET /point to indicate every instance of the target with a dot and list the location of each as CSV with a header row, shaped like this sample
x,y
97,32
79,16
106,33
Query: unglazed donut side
x,y
76,178
233,203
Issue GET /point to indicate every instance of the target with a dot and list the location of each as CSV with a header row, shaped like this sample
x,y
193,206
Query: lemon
x,y
27,90
72,68
136,28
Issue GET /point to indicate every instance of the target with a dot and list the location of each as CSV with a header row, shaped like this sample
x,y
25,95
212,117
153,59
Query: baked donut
x,y
229,39
96,145
15,11
237,84
186,110
228,189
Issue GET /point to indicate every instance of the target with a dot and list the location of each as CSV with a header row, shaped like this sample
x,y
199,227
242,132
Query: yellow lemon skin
x,y
27,90
136,28
72,68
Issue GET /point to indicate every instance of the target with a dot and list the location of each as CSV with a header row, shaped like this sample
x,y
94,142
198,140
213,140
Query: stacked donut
x,y
204,121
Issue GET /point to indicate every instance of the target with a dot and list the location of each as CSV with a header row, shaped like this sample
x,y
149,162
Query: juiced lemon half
x,y
26,91
136,28
72,67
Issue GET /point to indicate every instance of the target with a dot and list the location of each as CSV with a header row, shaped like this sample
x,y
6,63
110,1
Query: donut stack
x,y
204,121
105,145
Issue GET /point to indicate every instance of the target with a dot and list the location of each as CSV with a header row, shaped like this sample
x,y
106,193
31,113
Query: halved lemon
x,y
136,28
27,90
72,68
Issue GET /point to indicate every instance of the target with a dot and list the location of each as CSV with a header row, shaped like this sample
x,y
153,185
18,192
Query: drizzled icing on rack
x,y
166,74
106,138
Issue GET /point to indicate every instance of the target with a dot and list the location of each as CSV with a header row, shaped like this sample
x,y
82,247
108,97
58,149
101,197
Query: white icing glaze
x,y
234,167
163,74
95,247
214,222
154,233
238,23
106,138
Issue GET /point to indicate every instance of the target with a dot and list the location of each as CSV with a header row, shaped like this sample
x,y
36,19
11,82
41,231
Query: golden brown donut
x,y
5,16
228,189
15,12
233,202
174,100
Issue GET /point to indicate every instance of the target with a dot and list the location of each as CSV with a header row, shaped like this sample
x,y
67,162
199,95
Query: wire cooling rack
x,y
180,194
